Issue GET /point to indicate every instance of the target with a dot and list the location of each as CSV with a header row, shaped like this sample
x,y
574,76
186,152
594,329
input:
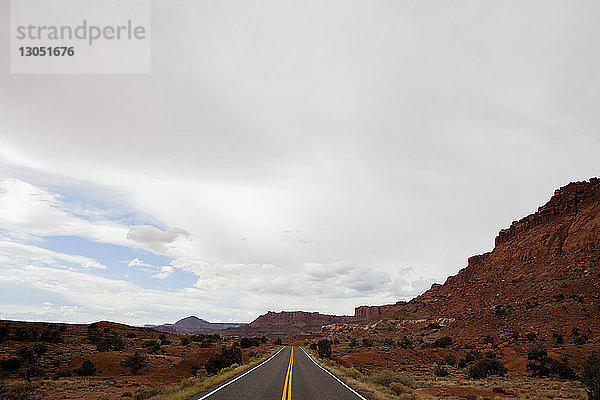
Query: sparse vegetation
x,y
227,356
440,370
134,362
250,342
324,348
86,369
486,367
591,376
30,358
277,342
442,342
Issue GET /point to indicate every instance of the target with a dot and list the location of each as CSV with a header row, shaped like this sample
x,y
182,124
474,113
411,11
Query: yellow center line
x,y
287,386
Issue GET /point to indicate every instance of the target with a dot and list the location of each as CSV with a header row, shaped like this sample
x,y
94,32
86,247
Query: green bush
x,y
250,342
440,371
450,359
312,346
324,348
185,341
278,342
539,362
591,376
227,356
470,357
486,367
152,345
134,362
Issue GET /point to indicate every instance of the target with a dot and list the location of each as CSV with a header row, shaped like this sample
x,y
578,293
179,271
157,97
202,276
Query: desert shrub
x,y
562,369
385,377
324,348
111,343
443,342
405,343
440,370
16,391
250,342
591,376
470,357
488,339
433,325
49,335
277,342
450,359
4,333
227,356
134,362
313,346
131,335
581,339
165,342
367,342
490,354
398,388
539,362
531,336
205,340
185,341
152,345
10,364
531,304
93,334
30,358
195,369
264,339
86,369
336,341
486,367
389,342
353,343
29,334
500,310
558,338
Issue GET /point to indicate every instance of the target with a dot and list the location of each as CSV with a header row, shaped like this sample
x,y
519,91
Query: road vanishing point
x,y
289,374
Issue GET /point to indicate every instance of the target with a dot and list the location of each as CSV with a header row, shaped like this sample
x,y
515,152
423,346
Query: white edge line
x,y
240,376
336,378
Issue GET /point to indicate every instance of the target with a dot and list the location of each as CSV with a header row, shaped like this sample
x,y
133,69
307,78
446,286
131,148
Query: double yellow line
x,y
287,386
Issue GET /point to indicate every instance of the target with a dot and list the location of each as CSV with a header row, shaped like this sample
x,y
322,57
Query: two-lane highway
x,y
289,374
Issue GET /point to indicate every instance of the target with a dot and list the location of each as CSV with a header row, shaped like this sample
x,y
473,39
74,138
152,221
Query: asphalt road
x,y
289,374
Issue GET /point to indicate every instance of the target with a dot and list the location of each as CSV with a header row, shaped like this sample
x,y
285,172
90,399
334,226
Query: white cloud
x,y
24,253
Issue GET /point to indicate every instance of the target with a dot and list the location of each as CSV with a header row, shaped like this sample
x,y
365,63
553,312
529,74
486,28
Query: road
x,y
289,374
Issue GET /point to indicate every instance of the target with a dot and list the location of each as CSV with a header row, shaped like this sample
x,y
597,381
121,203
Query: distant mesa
x,y
192,324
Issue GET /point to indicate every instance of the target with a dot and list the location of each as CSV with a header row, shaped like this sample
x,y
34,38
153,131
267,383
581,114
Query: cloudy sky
x,y
289,155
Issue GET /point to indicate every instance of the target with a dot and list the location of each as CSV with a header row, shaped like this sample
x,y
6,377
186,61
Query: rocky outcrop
x,y
542,278
371,312
567,201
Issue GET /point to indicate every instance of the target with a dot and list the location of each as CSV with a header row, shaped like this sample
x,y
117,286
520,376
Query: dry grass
x,y
365,383
191,386
390,384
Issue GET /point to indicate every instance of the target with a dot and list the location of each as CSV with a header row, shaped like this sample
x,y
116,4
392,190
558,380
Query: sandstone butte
x,y
542,279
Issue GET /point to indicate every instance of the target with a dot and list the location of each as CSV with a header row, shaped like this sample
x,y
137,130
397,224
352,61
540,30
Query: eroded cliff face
x,y
542,278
